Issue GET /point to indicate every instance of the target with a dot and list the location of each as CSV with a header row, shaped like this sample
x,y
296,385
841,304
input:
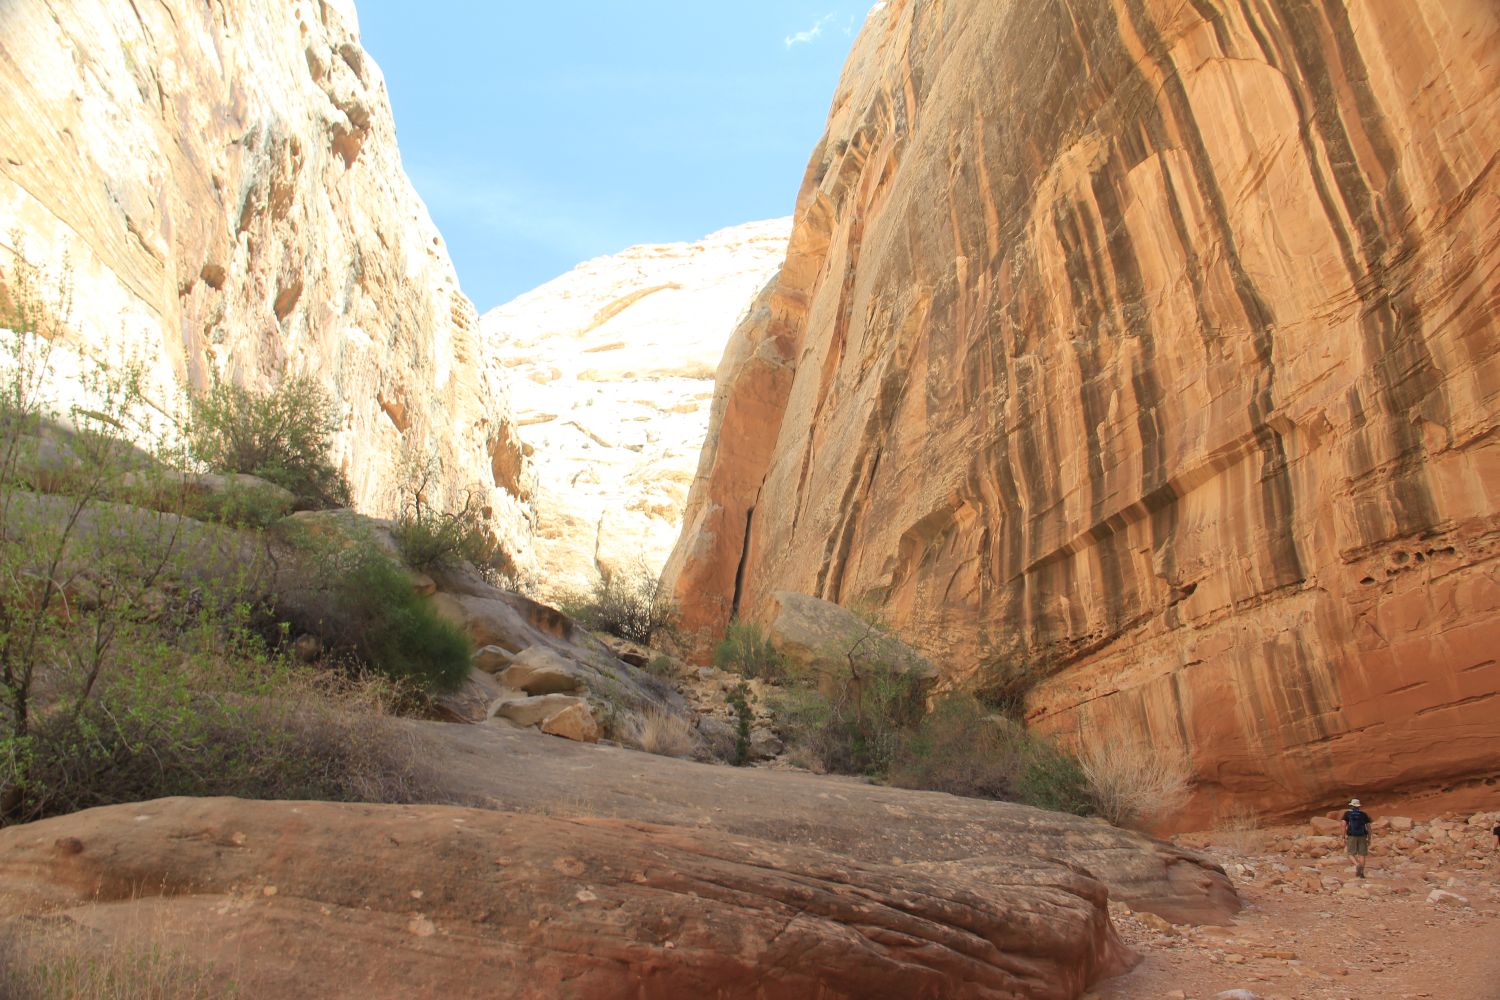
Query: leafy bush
x,y
629,606
960,748
141,741
1054,779
859,727
126,668
1135,784
444,539
663,668
362,606
747,651
242,503
963,747
283,436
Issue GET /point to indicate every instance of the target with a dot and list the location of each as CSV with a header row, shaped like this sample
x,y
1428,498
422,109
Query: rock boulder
x,y
269,894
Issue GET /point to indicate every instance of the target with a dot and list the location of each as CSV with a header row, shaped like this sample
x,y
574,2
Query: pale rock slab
x,y
539,670
611,367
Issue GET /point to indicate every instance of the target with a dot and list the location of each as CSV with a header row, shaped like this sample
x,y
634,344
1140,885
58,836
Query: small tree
x,y
629,606
283,436
431,537
739,699
76,571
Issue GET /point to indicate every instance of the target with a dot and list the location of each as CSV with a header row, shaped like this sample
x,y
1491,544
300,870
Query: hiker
x,y
1357,836
1496,832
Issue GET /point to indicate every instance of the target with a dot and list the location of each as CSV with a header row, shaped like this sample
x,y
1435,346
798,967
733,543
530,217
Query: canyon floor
x,y
1308,930
1312,932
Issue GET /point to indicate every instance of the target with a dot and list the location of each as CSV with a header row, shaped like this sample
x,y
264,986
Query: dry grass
x,y
1136,785
663,733
1238,828
64,962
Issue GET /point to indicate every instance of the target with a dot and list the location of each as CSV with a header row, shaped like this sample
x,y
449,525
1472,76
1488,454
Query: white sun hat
x,y
1354,803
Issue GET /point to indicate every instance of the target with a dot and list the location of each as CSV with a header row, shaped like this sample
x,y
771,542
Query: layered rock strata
x,y
270,895
1147,349
219,188
611,367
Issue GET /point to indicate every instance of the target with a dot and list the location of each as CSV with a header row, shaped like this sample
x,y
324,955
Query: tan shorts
x,y
1357,845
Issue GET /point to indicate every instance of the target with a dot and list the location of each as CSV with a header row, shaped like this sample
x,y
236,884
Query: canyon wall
x,y
611,371
1150,351
219,186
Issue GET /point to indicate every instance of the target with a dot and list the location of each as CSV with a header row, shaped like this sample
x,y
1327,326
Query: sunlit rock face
x,y
611,367
220,184
1153,346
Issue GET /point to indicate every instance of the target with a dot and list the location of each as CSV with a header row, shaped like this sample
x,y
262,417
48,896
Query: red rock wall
x,y
1152,345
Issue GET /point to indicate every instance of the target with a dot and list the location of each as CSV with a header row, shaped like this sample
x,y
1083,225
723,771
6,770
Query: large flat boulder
x,y
536,710
820,635
444,901
872,823
540,670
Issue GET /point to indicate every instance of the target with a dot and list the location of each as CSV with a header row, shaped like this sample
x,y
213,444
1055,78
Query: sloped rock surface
x,y
219,188
887,826
611,367
462,902
1150,347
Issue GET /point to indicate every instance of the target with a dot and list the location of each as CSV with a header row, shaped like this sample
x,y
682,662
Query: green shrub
x,y
960,748
435,541
126,668
430,537
361,604
79,574
212,712
283,436
240,504
628,606
662,667
747,651
859,729
964,748
1053,779
739,698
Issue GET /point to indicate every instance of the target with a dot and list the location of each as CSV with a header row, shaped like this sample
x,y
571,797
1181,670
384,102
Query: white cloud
x,y
810,34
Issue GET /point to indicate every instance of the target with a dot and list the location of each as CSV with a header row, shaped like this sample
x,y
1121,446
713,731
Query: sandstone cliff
x,y
611,367
220,183
1149,347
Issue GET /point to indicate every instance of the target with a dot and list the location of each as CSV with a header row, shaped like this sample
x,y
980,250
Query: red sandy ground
x,y
1311,931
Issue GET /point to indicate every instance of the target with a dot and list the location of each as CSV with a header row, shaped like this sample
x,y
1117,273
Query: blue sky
x,y
543,134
